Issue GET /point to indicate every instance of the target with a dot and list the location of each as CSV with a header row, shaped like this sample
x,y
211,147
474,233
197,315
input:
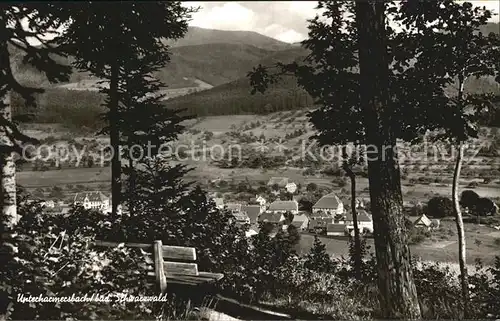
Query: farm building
x,y
319,225
241,217
300,221
271,217
93,200
423,222
365,221
330,204
284,206
335,229
252,211
319,215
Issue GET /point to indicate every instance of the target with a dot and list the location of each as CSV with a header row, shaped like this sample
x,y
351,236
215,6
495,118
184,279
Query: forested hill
x,y
235,98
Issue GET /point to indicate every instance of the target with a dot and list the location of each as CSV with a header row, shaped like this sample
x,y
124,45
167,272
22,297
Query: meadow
x,y
422,178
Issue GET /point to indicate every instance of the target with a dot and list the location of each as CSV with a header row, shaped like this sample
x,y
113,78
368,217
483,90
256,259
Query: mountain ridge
x,y
198,35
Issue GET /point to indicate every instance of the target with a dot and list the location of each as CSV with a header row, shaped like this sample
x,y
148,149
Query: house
x,y
271,217
284,206
365,221
93,200
233,207
423,222
241,218
360,203
48,204
330,204
291,188
252,211
319,215
281,182
250,233
65,210
319,225
219,202
260,200
335,229
300,221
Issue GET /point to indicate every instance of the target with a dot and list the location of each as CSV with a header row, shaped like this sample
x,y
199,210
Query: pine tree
x,y
103,40
145,125
318,259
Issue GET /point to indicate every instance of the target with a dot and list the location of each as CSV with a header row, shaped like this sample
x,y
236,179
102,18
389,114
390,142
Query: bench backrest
x,y
168,260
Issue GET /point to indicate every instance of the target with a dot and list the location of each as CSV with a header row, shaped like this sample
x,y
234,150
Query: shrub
x,y
439,207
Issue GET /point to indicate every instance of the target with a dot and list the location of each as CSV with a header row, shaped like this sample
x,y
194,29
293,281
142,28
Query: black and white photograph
x,y
254,160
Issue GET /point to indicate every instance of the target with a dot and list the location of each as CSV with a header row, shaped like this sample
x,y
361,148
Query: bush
x,y
439,207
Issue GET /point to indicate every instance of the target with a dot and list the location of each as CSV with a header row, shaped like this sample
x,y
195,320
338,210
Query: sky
x,y
282,20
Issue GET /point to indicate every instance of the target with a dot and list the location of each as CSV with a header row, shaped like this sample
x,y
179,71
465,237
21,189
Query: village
x,y
277,209
327,217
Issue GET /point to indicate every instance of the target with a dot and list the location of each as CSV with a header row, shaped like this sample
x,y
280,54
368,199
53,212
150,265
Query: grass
x,y
428,250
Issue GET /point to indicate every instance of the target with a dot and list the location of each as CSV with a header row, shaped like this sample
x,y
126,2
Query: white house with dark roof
x,y
284,206
365,221
330,204
93,200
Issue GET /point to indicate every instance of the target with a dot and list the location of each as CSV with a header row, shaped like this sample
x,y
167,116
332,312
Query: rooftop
x,y
284,206
329,201
94,196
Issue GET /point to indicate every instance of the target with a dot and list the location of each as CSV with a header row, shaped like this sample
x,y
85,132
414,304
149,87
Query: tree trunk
x,y
115,142
397,291
461,233
8,179
462,260
7,163
358,259
131,185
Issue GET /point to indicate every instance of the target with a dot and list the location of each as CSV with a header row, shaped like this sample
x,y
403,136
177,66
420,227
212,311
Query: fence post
x,y
159,267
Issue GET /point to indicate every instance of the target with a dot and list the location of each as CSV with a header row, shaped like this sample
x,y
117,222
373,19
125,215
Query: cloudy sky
x,y
282,20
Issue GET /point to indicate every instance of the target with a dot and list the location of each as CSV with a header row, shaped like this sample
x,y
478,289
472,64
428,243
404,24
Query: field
x,y
423,176
482,243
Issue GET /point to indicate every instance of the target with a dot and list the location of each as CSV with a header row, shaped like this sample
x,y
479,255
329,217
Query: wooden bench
x,y
171,264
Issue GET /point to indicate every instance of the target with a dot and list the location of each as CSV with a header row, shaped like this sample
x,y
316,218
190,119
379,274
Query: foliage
x,y
318,259
52,255
480,206
468,199
439,207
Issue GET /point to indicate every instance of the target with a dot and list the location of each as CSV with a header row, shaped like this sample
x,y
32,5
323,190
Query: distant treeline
x,y
72,108
83,109
235,98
